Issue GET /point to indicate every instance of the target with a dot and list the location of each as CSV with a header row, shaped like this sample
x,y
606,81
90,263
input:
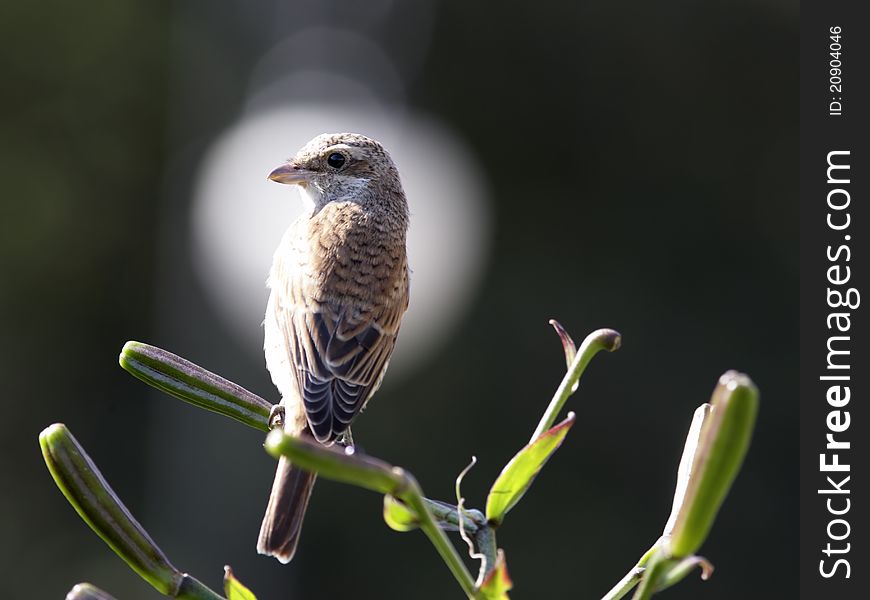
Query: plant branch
x,y
658,565
191,383
484,539
715,446
447,516
602,339
378,476
631,578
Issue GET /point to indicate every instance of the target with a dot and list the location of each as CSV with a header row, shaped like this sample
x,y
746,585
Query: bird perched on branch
x,y
339,289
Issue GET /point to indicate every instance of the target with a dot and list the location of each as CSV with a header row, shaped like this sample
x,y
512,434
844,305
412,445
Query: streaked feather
x,y
339,344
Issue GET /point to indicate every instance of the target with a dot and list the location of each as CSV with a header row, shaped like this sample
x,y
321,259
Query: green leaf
x,y
191,383
234,589
518,474
497,583
398,516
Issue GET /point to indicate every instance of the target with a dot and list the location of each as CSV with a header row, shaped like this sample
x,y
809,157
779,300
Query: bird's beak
x,y
290,174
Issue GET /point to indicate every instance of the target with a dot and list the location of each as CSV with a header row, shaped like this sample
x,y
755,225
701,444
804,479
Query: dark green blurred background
x,y
642,159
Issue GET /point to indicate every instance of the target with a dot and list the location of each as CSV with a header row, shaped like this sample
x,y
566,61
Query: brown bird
x,y
339,289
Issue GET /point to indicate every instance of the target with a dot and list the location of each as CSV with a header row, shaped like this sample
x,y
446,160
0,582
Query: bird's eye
x,y
335,160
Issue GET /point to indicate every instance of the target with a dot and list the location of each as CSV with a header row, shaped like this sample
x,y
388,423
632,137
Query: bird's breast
x,y
348,256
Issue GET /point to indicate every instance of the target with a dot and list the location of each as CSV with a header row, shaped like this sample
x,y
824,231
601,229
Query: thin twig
x,y
375,475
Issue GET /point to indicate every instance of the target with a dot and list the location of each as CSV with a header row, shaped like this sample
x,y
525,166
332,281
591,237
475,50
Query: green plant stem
x,y
378,476
193,384
474,523
191,588
631,578
625,584
484,539
413,495
657,567
602,339
447,516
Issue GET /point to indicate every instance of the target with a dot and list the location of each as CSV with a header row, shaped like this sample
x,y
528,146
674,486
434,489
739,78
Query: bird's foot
x,y
346,440
276,417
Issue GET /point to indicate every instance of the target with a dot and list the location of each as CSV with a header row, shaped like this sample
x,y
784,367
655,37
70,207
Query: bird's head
x,y
341,166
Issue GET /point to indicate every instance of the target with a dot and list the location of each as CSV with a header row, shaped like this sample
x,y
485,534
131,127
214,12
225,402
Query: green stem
x,y
631,578
657,568
191,588
447,516
474,523
413,495
602,339
378,476
625,584
484,539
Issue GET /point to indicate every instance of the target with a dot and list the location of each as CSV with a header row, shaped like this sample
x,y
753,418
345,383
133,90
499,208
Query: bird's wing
x,y
339,355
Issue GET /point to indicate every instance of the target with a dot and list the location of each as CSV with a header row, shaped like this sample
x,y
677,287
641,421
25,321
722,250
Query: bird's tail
x,y
282,523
